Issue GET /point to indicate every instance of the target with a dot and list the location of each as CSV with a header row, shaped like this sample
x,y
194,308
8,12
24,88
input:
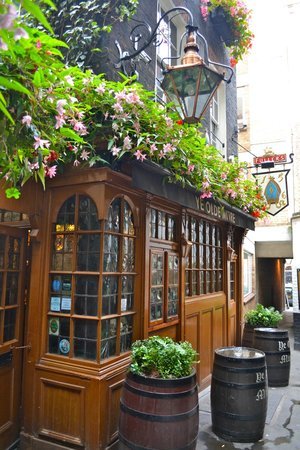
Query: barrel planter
x,y
239,394
275,344
161,414
248,335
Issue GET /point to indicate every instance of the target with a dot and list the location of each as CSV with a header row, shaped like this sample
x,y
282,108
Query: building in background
x,y
269,128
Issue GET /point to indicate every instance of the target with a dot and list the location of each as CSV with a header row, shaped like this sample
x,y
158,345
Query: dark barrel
x,y
239,394
275,344
159,414
248,336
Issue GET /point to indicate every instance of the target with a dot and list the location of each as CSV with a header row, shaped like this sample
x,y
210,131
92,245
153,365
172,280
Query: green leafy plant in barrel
x,y
162,357
262,316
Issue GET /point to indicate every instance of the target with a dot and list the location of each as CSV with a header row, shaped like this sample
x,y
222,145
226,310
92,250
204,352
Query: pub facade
x,y
100,258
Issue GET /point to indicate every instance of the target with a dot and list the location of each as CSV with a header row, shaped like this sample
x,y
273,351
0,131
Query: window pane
x,y
108,338
9,324
66,216
85,339
88,252
126,333
128,227
161,232
127,293
111,253
109,295
86,296
14,253
11,297
59,335
2,250
113,221
156,303
128,254
87,214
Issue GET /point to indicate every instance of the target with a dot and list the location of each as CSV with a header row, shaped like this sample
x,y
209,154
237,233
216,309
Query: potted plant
x,y
231,21
159,402
259,317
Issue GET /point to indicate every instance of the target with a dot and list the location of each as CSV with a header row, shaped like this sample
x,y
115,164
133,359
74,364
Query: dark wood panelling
x,y
62,411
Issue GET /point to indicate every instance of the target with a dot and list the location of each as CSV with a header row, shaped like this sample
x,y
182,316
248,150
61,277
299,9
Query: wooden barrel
x,y
239,394
275,343
248,336
159,414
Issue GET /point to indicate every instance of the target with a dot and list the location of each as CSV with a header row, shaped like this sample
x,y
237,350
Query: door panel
x,y
12,271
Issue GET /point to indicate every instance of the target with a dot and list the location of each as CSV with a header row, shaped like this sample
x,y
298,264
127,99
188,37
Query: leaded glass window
x,y
204,265
91,285
10,266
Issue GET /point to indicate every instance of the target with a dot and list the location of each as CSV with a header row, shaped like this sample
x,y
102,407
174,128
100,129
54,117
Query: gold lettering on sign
x,y
215,210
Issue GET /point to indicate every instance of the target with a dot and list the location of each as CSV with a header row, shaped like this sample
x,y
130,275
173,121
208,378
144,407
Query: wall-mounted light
x,y
190,85
186,246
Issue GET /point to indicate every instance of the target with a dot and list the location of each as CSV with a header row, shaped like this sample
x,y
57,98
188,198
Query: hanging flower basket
x,y
223,28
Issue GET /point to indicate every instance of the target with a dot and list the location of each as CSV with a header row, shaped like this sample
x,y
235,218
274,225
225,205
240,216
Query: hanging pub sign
x,y
275,189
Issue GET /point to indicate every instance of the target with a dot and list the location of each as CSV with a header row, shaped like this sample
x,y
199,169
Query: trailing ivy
x,y
85,22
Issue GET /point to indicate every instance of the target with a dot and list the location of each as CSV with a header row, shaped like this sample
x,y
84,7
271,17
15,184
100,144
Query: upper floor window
x,y
248,273
204,266
217,125
170,33
91,292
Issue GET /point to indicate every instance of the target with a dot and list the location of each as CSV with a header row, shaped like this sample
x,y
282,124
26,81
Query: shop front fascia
x,y
119,256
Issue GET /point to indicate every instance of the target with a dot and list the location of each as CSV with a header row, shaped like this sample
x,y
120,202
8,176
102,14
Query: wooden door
x,y
12,243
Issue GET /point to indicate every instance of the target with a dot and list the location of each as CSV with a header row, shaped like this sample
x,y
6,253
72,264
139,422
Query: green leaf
x,y
68,133
36,12
6,113
13,193
14,85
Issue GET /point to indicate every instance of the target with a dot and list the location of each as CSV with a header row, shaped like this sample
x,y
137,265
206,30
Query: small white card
x,y
55,304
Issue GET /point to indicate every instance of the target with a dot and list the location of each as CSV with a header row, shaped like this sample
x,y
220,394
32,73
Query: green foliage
x,y
262,316
85,21
52,115
161,357
237,16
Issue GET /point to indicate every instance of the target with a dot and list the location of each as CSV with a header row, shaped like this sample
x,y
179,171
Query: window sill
x,y
248,298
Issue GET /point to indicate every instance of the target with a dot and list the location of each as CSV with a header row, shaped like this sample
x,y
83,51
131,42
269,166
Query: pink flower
x,y
80,128
76,163
191,168
127,145
115,126
168,148
133,98
118,107
169,122
206,194
50,171
3,45
153,148
100,89
60,122
120,96
223,176
42,143
204,12
20,33
26,120
84,155
60,106
6,20
69,80
139,155
34,166
115,150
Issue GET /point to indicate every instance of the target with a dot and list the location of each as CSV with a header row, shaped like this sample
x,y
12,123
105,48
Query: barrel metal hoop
x,y
240,417
161,395
239,386
163,382
134,446
157,417
240,369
